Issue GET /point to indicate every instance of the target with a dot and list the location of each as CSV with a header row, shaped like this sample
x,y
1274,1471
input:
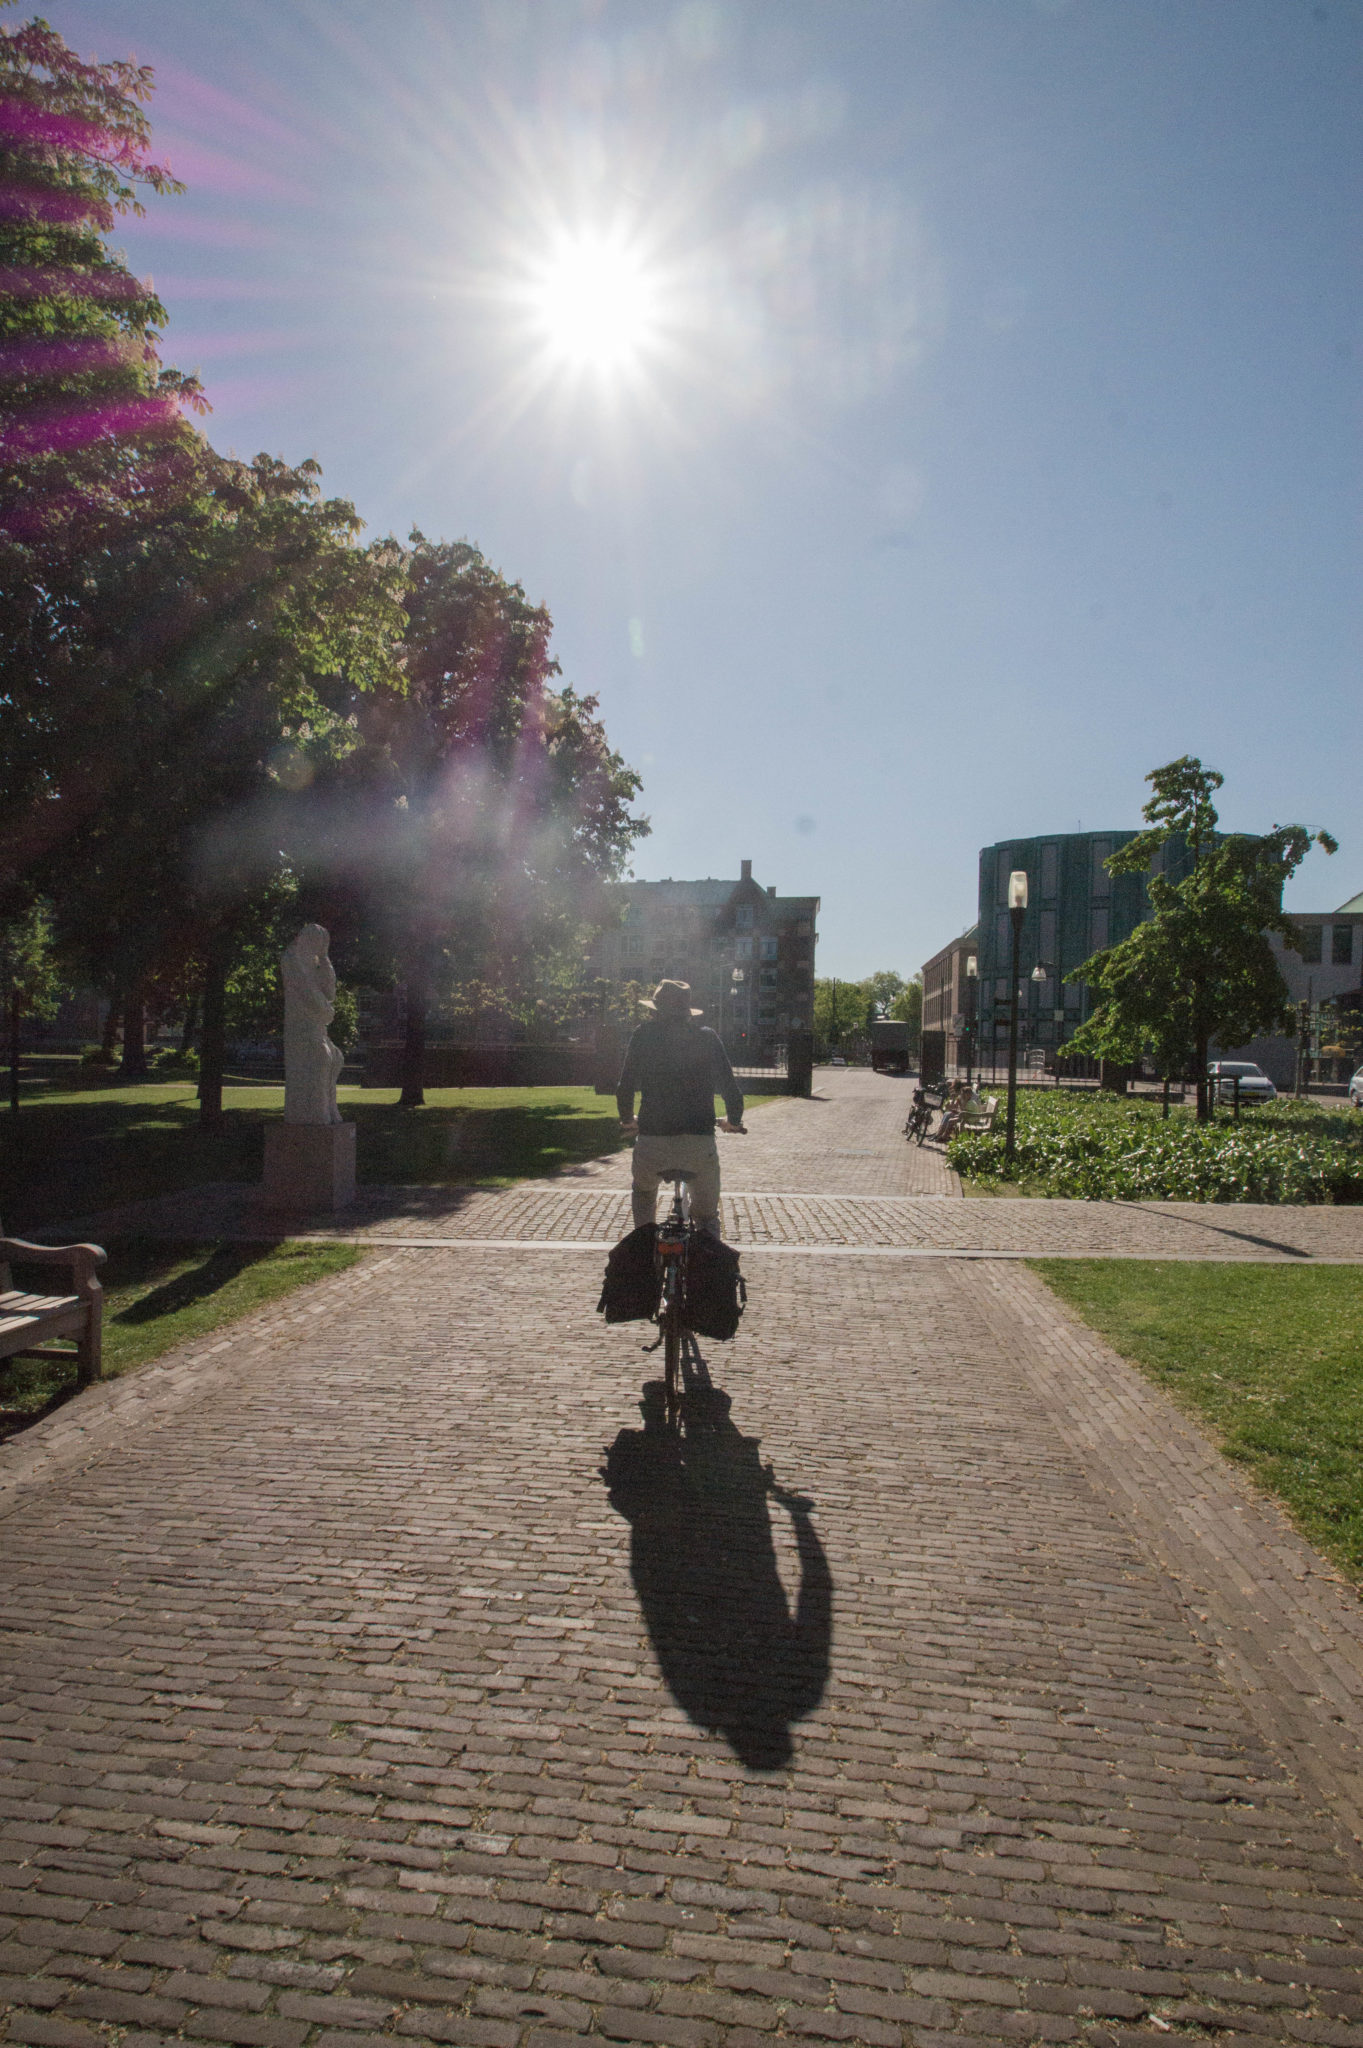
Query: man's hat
x,y
671,999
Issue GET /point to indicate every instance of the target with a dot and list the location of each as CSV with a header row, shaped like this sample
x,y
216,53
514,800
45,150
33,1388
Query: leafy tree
x,y
907,1008
93,439
240,632
1200,968
30,979
839,1009
493,806
884,988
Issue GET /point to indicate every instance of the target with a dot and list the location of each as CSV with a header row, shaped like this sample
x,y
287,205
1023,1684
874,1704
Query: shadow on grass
x,y
223,1263
65,1159
33,1388
455,1143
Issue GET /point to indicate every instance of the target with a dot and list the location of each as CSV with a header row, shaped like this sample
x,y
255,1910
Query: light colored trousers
x,y
698,1155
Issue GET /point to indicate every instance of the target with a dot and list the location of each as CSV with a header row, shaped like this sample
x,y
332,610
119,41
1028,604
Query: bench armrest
x,y
82,1259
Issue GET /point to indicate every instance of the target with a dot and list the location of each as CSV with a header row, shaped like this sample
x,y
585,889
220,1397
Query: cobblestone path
x,y
381,1671
831,1174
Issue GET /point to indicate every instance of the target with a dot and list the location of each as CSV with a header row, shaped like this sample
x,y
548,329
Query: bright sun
x,y
595,304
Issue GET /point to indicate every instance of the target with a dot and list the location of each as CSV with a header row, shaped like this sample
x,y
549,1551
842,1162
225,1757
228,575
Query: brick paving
x,y
831,1174
381,1671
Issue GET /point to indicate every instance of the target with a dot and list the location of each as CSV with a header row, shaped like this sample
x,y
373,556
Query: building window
x,y
1050,869
1049,957
1005,869
1102,880
1342,945
1308,943
743,949
770,948
743,917
768,977
1098,930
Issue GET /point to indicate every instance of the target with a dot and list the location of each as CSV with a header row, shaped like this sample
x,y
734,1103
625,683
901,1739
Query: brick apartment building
x,y
747,953
949,1005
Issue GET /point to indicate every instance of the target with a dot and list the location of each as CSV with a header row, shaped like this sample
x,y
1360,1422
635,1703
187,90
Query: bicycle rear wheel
x,y
672,1368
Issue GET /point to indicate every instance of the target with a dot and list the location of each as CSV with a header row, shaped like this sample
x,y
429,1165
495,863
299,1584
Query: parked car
x,y
1255,1085
1356,1089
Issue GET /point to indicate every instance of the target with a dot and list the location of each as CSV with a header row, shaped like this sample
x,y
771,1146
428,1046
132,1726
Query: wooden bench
x,y
983,1119
28,1322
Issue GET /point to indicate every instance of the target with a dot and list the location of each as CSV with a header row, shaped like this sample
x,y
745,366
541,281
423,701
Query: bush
x,y
170,1059
1111,1148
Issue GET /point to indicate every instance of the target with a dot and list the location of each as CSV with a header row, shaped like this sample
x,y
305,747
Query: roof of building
x,y
1353,908
967,937
710,893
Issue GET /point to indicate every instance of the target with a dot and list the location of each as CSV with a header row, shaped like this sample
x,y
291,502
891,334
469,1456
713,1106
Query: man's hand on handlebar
x,y
740,1129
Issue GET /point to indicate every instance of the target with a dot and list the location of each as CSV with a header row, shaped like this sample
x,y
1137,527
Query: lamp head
x,y
972,967
1017,889
1039,972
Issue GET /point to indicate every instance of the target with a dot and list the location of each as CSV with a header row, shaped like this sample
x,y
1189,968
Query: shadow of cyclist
x,y
734,1657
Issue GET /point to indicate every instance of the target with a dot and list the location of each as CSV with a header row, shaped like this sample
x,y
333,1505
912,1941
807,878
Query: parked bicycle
x,y
919,1118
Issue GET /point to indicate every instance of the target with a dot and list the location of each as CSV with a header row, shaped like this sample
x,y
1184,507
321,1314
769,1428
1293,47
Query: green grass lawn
x,y
156,1295
73,1150
1269,1358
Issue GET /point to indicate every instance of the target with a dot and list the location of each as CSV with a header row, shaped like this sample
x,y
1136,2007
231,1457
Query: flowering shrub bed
x,y
1104,1148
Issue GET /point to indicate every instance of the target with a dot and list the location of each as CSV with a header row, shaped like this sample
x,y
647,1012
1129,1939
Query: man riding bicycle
x,y
678,1067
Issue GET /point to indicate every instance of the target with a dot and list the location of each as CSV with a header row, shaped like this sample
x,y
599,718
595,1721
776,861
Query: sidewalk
x,y
377,1673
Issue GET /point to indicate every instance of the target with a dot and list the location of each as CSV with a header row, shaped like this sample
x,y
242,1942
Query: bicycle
x,y
919,1118
676,1233
674,1237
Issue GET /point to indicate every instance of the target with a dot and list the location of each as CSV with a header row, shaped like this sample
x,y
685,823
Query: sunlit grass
x,y
1270,1358
159,1295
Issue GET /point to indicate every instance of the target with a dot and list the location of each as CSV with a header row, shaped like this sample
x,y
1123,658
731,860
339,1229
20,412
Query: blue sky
x,y
996,436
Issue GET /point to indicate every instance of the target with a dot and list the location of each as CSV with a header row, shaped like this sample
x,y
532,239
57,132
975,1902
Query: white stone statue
x,y
312,1064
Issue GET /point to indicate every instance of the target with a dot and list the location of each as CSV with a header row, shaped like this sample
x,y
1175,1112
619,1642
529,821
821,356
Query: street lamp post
x,y
972,1011
1017,910
736,981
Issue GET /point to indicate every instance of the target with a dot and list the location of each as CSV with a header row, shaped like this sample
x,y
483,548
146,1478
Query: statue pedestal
x,y
309,1166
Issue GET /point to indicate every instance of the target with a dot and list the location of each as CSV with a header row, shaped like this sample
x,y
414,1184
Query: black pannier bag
x,y
715,1294
629,1293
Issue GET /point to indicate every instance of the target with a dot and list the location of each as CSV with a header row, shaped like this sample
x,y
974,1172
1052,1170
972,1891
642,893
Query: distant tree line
x,y
222,712
844,1011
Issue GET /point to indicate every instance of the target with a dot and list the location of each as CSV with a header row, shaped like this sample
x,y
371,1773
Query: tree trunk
x,y
413,1094
134,1061
1204,1086
1165,1111
112,1019
213,1034
190,1025
15,1008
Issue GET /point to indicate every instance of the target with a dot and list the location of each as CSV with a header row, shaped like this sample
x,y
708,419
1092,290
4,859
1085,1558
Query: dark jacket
x,y
678,1068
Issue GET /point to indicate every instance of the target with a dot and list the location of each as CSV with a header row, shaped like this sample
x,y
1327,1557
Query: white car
x,y
1255,1085
1356,1089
